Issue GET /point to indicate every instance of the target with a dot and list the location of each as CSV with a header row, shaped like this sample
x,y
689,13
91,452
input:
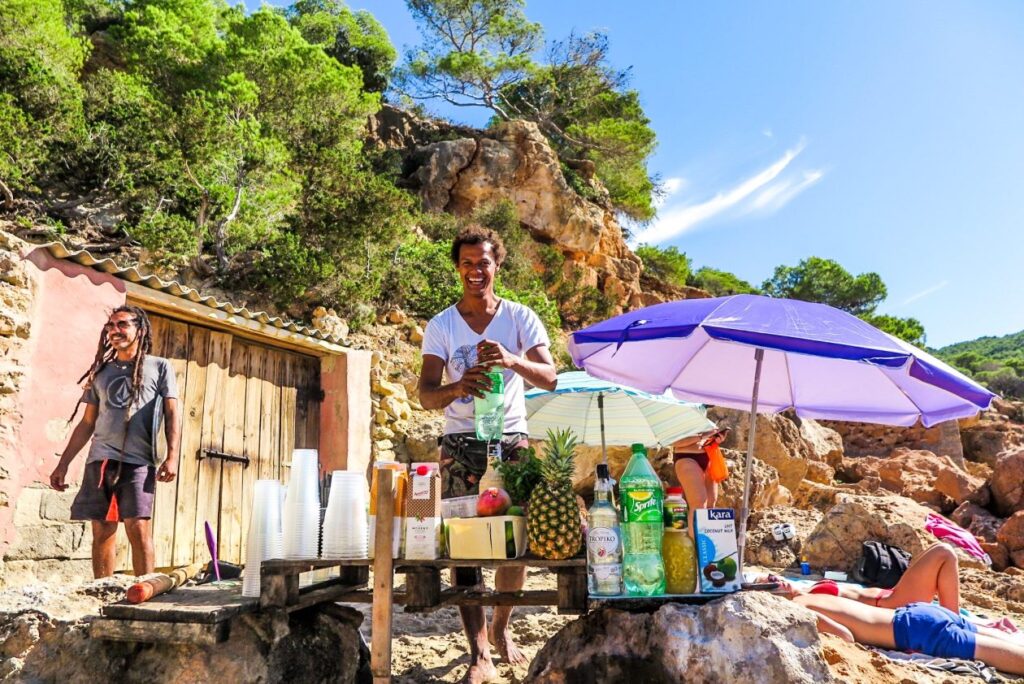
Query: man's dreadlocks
x,y
105,353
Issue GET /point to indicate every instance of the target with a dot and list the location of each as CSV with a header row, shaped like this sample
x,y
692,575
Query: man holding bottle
x,y
479,333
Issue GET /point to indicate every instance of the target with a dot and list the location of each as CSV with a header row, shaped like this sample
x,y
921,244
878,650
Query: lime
x,y
515,510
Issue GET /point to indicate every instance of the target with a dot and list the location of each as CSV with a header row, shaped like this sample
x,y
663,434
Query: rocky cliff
x,y
459,170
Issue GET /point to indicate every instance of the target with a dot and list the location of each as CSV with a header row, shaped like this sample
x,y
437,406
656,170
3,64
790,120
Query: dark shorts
x,y
133,485
700,457
464,460
933,630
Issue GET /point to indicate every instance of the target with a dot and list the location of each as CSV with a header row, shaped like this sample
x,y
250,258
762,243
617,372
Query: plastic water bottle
x,y
489,412
604,542
643,526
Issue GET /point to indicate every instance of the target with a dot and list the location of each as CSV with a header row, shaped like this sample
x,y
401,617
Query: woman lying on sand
x,y
934,572
921,627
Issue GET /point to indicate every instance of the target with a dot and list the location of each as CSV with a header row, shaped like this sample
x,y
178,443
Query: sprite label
x,y
642,505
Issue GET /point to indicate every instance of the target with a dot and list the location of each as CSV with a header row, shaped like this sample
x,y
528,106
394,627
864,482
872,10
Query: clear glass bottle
x,y
604,541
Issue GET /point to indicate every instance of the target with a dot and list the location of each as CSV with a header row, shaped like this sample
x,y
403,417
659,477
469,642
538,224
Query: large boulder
x,y
835,544
994,433
913,473
44,637
765,489
1007,483
977,520
783,441
868,439
1011,535
763,549
745,637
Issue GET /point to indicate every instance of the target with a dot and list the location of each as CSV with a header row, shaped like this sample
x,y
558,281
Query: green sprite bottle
x,y
643,526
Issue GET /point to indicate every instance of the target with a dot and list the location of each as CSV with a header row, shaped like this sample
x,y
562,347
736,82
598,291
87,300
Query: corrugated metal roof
x,y
176,289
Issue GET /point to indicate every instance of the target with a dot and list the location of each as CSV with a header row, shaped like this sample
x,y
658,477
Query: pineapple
x,y
553,524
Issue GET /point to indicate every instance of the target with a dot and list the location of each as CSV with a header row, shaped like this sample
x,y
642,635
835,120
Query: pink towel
x,y
949,531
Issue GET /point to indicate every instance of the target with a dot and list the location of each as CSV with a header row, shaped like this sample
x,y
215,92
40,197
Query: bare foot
x,y
480,672
505,647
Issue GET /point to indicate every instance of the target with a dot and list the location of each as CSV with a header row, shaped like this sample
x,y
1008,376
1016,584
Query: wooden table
x,y
279,586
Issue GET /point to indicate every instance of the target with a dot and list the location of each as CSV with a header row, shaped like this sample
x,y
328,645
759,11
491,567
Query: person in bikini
x,y
917,627
690,460
933,573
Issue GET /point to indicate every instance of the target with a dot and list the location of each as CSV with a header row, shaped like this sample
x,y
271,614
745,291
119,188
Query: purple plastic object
x,y
766,355
818,360
211,543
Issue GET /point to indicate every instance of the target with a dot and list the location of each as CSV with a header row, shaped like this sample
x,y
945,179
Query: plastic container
x,y
675,509
643,525
489,411
458,507
680,556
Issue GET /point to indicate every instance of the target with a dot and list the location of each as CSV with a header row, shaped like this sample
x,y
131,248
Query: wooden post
x,y
423,587
572,590
383,580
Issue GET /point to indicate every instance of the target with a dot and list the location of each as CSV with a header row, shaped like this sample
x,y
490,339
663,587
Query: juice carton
x,y
717,562
400,481
423,513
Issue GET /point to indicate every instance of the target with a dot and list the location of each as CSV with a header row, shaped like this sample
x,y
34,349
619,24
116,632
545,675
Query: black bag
x,y
880,565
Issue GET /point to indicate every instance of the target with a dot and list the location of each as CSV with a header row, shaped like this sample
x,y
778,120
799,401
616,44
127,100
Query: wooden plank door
x,y
236,397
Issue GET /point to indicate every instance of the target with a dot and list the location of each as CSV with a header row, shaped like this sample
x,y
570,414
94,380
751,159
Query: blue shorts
x,y
933,630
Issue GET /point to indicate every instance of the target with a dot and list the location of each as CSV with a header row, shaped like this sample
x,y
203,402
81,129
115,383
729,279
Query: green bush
x,y
668,264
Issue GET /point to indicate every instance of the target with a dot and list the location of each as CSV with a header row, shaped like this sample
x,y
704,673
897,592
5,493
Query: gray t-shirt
x,y
111,391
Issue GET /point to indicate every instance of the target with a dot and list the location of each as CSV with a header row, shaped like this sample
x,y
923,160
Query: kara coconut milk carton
x,y
717,561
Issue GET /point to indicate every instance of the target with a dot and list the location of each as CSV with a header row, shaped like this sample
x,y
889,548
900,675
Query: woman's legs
x,y
691,479
999,653
935,571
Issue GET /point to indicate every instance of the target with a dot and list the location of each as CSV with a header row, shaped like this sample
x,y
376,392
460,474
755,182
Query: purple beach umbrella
x,y
767,355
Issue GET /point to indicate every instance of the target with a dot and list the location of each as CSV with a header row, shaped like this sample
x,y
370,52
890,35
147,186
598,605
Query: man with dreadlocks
x,y
127,393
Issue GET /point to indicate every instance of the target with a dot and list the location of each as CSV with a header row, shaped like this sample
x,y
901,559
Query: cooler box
x,y
498,536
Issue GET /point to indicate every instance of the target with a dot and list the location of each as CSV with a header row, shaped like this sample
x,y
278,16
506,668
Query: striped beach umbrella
x,y
603,412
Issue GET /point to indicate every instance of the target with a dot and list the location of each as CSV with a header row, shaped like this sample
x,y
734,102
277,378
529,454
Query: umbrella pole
x,y
758,359
600,411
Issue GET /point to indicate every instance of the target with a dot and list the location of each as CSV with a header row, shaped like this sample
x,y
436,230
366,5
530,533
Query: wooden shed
x,y
251,388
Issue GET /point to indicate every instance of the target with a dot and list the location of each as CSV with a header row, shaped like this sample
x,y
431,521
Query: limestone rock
x,y
745,637
836,542
763,549
977,520
993,434
815,496
328,322
777,442
998,553
1011,534
44,636
765,488
961,486
1007,483
867,439
824,444
820,472
907,472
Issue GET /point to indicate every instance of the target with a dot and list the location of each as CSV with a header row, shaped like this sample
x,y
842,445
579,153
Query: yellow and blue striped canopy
x,y
630,415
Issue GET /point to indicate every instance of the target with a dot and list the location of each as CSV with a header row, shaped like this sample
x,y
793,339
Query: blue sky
x,y
886,135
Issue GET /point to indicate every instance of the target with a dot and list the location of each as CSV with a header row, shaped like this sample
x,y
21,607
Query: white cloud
x,y
781,193
669,187
768,133
678,220
924,293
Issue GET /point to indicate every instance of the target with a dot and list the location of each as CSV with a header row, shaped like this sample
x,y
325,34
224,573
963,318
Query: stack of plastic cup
x,y
264,541
301,516
345,523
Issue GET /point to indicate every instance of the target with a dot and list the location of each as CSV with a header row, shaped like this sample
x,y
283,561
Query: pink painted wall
x,y
346,412
70,307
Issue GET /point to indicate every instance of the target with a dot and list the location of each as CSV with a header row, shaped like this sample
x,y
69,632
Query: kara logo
x,y
720,514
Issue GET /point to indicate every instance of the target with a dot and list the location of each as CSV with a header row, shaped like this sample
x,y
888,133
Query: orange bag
x,y
717,468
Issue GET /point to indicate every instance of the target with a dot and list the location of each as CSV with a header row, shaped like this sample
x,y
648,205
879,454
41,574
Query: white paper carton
x,y
499,536
423,513
717,562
